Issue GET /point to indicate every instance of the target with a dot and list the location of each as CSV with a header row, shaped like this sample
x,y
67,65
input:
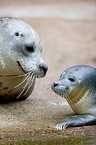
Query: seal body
x,y
20,59
78,85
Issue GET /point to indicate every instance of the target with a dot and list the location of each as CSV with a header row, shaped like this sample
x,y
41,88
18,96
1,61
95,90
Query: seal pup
x,y
78,85
20,59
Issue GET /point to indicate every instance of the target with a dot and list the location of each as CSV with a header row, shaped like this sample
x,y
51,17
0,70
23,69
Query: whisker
x,y
49,90
46,40
49,85
49,37
29,86
22,82
30,83
23,75
22,90
68,98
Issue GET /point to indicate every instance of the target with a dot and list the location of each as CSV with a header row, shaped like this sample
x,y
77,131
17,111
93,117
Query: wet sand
x,y
68,36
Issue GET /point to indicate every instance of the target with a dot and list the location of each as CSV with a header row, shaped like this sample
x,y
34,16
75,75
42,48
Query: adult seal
x,y
78,85
20,59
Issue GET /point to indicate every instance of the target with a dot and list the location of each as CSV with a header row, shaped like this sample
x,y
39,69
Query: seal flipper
x,y
76,121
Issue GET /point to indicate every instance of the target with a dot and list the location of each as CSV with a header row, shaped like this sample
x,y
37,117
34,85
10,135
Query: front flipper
x,y
76,121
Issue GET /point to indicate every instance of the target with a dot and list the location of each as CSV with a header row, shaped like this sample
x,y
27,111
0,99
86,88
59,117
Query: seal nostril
x,y
55,84
43,68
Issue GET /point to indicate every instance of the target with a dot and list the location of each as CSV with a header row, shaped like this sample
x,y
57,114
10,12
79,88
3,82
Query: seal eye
x,y
16,34
71,79
29,48
61,76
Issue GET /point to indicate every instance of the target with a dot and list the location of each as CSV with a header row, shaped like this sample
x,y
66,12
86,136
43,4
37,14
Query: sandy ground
x,y
67,30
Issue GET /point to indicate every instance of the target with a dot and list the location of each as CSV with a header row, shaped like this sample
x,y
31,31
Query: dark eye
x,y
16,34
29,48
61,76
72,79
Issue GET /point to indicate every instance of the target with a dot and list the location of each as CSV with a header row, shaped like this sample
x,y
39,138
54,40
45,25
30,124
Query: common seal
x,y
20,59
78,85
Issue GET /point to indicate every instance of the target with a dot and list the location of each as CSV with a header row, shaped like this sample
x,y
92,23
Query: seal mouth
x,y
20,66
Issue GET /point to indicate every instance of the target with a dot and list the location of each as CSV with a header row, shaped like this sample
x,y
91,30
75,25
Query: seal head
x,y
20,55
